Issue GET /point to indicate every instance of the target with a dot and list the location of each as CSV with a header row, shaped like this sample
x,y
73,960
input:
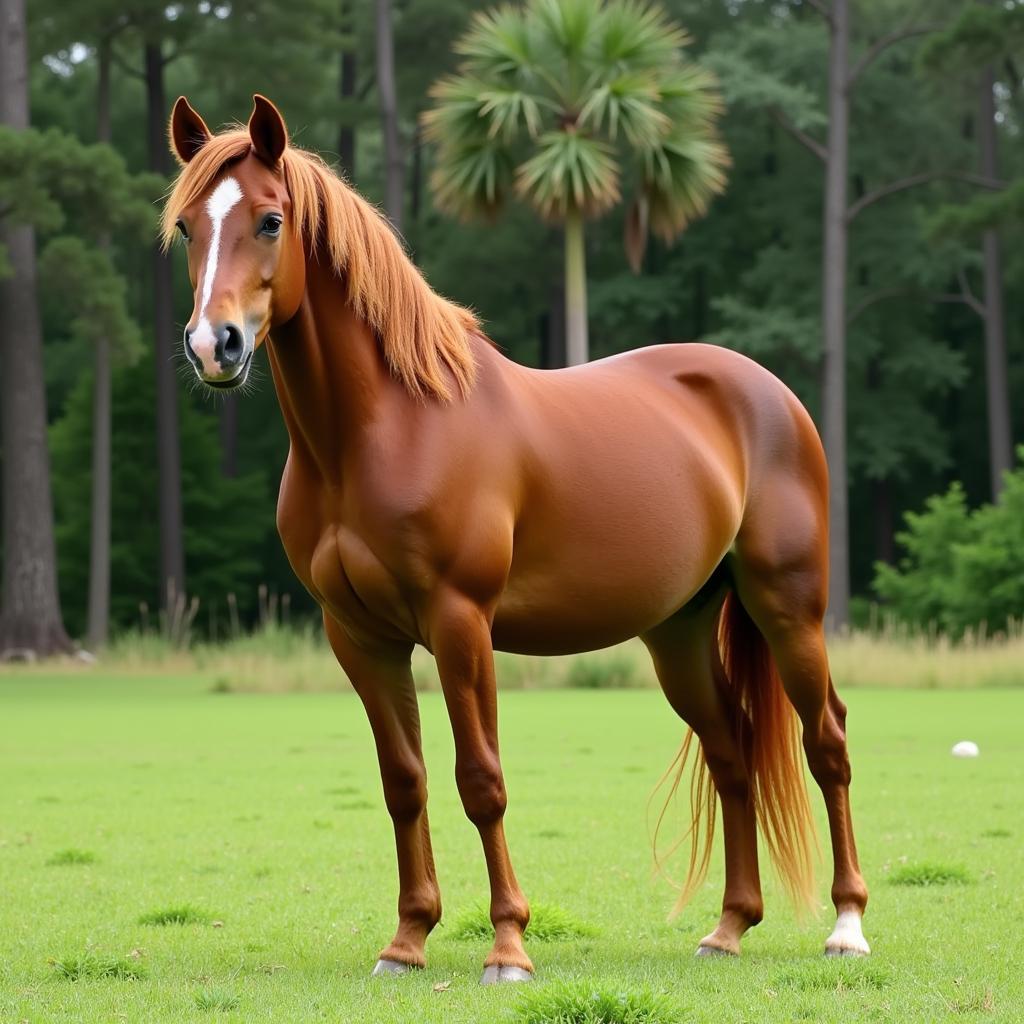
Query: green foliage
x,y
930,873
596,672
70,856
49,178
981,34
92,965
548,923
560,99
587,1003
85,290
227,521
962,569
179,914
217,999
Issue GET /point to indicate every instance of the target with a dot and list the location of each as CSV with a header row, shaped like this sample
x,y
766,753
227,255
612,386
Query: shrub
x,y
962,570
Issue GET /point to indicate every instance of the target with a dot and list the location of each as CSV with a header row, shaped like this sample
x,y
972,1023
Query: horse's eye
x,y
271,225
182,230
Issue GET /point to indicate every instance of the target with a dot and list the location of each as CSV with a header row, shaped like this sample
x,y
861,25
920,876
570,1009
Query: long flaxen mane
x,y
424,337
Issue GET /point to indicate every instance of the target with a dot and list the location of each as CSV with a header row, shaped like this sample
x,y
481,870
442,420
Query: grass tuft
x,y
184,913
72,855
90,965
548,923
930,873
582,1003
216,999
996,833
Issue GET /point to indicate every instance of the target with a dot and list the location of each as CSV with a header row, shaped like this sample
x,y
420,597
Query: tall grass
x,y
281,658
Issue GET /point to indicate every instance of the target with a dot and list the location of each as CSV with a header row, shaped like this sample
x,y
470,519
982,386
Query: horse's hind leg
x,y
781,577
685,654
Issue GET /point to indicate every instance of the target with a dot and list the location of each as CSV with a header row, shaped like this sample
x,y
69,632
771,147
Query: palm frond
x,y
472,179
636,35
569,171
680,177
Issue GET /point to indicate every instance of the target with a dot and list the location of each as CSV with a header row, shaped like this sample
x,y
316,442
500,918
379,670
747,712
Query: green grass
x,y
72,855
91,965
181,913
931,873
548,923
218,804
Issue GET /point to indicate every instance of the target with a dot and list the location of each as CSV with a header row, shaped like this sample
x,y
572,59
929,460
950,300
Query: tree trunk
x,y
347,92
833,390
552,346
394,176
98,622
30,618
885,540
172,549
576,349
1000,431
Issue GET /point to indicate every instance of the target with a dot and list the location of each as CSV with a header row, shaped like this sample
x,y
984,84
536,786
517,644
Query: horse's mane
x,y
424,337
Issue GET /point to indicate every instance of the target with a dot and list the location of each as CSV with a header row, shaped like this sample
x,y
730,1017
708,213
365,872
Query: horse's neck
x,y
329,373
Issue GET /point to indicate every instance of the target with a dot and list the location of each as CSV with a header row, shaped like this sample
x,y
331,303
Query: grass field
x,y
170,854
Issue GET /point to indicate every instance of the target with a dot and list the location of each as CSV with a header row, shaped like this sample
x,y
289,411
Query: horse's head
x,y
245,253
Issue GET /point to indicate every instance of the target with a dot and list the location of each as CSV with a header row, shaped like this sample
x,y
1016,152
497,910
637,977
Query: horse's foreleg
x,y
461,641
384,684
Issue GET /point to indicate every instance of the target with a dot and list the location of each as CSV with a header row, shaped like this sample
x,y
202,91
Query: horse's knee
x,y
405,789
482,789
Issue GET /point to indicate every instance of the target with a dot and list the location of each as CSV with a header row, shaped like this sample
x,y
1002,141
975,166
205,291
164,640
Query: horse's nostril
x,y
231,345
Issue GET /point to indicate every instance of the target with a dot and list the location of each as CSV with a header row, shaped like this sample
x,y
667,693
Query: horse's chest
x,y
355,588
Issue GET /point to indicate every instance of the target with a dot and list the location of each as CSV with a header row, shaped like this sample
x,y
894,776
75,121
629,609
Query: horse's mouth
x,y
235,382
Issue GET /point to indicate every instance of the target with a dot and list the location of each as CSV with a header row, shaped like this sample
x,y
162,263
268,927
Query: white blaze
x,y
221,202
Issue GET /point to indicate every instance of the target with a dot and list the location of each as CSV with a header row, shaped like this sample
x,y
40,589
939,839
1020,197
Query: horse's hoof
x,y
390,967
497,974
831,951
713,951
847,939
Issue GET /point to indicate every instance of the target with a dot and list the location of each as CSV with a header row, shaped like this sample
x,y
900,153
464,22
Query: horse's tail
x,y
775,763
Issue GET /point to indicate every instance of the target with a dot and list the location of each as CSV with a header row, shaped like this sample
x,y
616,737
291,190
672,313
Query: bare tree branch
x,y
883,43
821,7
127,68
967,295
920,179
965,298
811,143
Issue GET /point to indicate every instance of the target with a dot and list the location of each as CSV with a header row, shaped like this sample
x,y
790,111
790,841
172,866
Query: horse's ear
x,y
267,130
187,130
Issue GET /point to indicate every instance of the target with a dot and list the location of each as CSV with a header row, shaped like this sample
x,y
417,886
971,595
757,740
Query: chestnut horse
x,y
436,493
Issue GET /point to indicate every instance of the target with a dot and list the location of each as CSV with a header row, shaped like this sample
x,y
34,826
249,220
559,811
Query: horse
x,y
437,493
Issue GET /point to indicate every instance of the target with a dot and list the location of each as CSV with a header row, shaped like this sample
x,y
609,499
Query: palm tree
x,y
565,103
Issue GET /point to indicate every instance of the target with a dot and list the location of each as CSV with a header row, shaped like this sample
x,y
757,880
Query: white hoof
x,y
713,951
498,975
390,967
847,938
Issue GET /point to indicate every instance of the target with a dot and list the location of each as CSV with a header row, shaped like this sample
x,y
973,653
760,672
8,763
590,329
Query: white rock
x,y
965,748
